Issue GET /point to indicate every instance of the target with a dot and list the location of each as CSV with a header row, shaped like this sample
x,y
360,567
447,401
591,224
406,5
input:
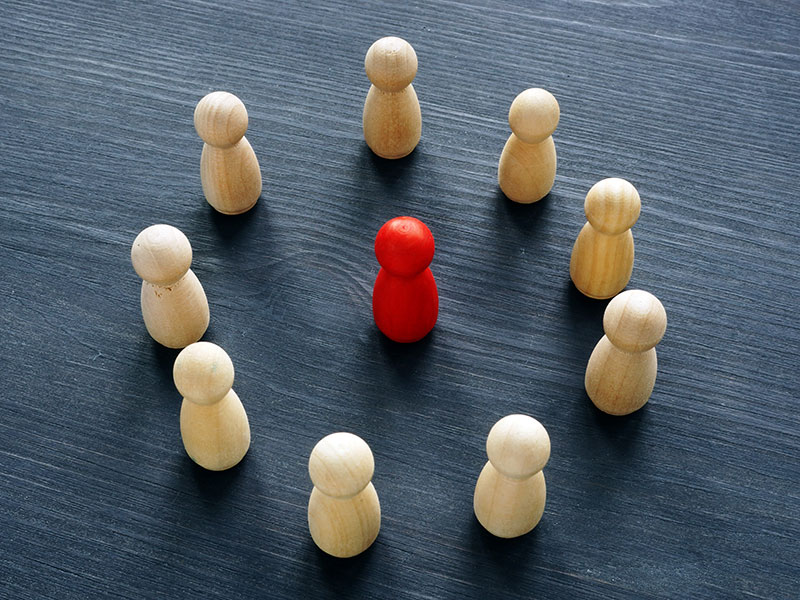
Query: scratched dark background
x,y
695,496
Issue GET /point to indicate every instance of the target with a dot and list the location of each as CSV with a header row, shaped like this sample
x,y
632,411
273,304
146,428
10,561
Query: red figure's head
x,y
404,246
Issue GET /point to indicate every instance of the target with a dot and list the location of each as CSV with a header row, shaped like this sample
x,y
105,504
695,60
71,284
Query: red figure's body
x,y
405,302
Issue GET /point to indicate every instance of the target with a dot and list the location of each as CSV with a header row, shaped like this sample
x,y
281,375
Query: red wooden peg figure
x,y
405,302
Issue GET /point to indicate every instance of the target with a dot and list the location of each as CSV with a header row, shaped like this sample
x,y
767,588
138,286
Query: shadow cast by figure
x,y
501,561
148,383
164,359
620,432
520,225
405,359
214,487
208,499
378,188
525,218
393,172
585,314
230,227
393,374
341,577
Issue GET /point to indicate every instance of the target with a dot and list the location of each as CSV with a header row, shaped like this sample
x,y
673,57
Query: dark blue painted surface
x,y
695,496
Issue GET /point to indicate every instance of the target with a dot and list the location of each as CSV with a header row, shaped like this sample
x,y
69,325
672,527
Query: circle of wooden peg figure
x,y
229,170
622,369
527,168
214,425
174,304
602,257
405,301
392,118
510,493
344,514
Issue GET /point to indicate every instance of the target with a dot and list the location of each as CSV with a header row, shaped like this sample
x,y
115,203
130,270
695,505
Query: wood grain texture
x,y
694,496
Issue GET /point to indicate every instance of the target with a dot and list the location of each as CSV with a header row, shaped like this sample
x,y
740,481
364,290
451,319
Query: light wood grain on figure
x,y
527,167
622,369
510,493
344,514
602,256
229,170
214,426
174,305
392,119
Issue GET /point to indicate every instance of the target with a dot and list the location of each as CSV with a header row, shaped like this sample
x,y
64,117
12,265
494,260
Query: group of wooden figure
x,y
343,511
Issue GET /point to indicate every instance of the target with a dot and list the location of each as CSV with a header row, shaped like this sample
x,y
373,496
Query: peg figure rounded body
x,y
174,304
229,170
214,425
527,168
405,300
392,119
602,257
344,514
622,369
510,493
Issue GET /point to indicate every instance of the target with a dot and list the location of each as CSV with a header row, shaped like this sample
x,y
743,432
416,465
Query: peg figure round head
x,y
404,246
612,206
534,115
518,446
161,254
341,465
203,373
391,64
220,118
635,321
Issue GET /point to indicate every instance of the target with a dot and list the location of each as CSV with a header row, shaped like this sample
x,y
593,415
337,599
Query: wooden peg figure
x,y
174,305
344,514
405,301
527,167
510,494
229,169
392,118
214,426
621,372
602,257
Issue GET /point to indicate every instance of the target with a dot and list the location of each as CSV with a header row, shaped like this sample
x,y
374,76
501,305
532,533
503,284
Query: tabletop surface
x,y
694,496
